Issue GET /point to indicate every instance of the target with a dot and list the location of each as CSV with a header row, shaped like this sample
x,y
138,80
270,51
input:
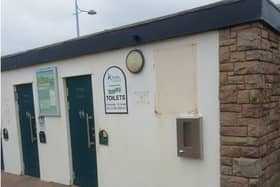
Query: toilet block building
x,y
189,99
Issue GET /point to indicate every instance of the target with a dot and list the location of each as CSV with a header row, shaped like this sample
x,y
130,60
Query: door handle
x,y
33,139
90,142
81,114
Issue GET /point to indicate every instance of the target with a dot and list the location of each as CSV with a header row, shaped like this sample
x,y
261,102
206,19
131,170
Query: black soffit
x,y
211,17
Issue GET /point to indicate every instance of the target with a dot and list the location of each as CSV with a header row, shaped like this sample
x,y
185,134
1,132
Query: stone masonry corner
x,y
250,106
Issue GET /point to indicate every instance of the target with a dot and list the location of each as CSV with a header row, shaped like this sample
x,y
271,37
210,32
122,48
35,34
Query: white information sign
x,y
115,91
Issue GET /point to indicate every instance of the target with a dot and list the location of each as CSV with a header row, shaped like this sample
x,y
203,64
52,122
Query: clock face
x,y
135,61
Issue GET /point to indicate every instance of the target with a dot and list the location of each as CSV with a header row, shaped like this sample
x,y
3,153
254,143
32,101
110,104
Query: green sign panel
x,y
47,92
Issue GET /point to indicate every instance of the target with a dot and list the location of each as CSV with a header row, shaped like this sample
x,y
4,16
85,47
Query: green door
x,y
28,130
81,118
2,160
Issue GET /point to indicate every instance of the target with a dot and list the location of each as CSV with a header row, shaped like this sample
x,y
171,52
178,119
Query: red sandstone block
x,y
232,48
226,161
231,151
251,168
224,54
235,80
258,96
255,67
226,67
227,42
226,170
255,130
223,78
243,97
229,118
269,78
224,34
264,34
237,56
228,94
249,39
233,181
265,44
243,68
254,79
232,140
252,110
252,121
234,131
230,108
250,152
273,37
259,55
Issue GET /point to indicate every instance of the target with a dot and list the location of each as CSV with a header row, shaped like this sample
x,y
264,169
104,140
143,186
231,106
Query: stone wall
x,y
250,106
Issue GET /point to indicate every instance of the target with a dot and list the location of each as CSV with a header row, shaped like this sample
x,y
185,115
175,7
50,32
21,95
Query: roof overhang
x,y
207,18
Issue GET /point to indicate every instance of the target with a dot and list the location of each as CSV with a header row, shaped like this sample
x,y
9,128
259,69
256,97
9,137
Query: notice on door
x,y
115,91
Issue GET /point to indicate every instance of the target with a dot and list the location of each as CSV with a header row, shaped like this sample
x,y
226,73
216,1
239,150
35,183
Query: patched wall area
x,y
250,106
176,80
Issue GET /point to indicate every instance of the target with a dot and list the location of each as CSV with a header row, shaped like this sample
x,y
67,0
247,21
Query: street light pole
x,y
77,18
77,12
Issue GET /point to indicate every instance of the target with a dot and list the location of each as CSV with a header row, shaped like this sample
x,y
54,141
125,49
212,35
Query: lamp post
x,y
77,12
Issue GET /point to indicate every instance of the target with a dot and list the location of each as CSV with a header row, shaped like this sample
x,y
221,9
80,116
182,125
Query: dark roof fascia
x,y
271,14
212,17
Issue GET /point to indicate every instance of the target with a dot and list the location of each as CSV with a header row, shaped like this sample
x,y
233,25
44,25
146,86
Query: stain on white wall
x,y
176,83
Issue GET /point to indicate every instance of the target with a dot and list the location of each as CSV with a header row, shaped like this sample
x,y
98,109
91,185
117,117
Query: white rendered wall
x,y
142,147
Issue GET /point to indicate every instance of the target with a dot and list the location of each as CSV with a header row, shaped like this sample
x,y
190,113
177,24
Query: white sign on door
x,y
115,91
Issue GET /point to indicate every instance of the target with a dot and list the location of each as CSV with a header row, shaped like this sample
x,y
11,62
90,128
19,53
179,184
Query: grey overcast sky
x,y
28,24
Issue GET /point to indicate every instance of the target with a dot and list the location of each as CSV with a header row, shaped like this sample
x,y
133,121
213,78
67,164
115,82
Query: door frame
x,y
22,172
67,123
67,120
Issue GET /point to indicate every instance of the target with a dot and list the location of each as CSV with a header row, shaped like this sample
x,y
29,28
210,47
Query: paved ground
x,y
9,180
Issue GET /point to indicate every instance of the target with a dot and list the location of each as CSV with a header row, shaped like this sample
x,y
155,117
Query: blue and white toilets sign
x,y
115,91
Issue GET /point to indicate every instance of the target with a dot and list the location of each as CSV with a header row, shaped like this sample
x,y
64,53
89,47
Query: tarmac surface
x,y
9,180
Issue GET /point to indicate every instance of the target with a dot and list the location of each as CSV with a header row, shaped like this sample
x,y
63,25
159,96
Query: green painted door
x,y
28,130
80,102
